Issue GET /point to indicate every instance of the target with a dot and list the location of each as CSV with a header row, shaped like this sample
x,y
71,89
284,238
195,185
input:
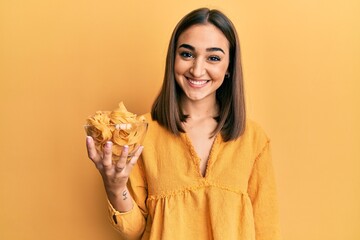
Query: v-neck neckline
x,y
195,156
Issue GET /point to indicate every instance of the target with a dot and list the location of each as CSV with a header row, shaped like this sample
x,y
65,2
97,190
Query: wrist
x,y
116,193
121,199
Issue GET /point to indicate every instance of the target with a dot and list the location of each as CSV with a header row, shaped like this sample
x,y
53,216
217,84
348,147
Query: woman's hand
x,y
115,176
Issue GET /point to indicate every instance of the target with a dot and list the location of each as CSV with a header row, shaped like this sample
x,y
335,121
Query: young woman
x,y
205,171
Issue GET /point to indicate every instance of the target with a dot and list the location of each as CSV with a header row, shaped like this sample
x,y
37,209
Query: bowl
x,y
121,134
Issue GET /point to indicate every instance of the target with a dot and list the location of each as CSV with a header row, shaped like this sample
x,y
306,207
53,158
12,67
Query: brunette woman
x,y
205,171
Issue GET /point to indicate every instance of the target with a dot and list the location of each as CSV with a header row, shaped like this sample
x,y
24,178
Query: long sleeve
x,y
262,192
131,225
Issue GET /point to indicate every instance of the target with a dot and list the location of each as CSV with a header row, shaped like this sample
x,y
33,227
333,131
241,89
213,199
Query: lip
x,y
197,83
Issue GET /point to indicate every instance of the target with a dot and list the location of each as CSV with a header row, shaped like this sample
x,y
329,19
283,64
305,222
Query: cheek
x,y
177,70
182,66
225,68
178,66
219,72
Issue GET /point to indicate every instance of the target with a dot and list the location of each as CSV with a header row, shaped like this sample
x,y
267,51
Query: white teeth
x,y
197,82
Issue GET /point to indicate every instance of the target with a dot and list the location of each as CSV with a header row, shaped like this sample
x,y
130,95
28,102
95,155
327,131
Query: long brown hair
x,y
166,108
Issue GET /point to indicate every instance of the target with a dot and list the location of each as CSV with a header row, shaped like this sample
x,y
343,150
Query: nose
x,y
198,67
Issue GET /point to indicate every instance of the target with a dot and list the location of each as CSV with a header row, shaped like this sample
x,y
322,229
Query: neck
x,y
200,109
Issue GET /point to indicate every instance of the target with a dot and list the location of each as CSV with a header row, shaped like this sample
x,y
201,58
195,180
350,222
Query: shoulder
x,y
154,126
254,137
155,131
254,130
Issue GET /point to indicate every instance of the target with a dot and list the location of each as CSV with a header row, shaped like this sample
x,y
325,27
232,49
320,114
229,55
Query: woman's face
x,y
201,61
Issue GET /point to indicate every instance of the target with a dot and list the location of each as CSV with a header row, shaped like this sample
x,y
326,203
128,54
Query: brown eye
x,y
186,55
214,58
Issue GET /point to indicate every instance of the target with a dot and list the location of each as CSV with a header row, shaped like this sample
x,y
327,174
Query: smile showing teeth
x,y
197,82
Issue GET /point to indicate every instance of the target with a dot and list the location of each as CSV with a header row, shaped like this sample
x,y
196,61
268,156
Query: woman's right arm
x,y
126,216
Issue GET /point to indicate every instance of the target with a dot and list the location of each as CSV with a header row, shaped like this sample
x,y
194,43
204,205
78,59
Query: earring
x,y
227,75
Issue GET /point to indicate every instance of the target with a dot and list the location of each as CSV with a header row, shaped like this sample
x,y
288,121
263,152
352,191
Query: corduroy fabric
x,y
236,199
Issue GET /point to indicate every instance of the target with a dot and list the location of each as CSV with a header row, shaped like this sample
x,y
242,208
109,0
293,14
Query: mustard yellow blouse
x,y
172,200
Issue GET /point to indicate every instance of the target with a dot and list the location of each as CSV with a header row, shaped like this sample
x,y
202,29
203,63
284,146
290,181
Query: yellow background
x,y
60,61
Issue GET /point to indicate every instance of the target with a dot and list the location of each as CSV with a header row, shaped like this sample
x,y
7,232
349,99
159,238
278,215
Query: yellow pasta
x,y
119,126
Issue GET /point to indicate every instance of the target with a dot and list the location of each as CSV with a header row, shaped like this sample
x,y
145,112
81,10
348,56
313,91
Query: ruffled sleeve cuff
x,y
130,224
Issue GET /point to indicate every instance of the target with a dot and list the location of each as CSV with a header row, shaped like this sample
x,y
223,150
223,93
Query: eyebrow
x,y
212,49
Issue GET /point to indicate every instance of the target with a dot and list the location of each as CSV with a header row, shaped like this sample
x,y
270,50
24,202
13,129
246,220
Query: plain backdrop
x,y
60,61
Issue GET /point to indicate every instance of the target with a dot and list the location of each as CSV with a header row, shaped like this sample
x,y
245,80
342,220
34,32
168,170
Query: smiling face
x,y
201,61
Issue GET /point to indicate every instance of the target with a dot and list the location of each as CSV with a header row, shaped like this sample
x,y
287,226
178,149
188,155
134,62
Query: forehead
x,y
204,36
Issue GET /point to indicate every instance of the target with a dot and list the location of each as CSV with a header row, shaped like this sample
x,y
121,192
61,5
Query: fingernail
x,y
108,144
126,146
88,139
